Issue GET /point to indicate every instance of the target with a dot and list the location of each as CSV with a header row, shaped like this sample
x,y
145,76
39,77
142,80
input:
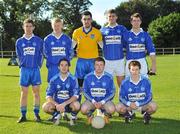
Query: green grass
x,y
166,91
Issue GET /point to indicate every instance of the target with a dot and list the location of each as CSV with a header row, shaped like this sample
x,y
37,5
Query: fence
x,y
159,51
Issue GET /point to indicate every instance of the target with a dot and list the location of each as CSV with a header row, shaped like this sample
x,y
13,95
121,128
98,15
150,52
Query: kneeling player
x,y
135,94
99,90
62,94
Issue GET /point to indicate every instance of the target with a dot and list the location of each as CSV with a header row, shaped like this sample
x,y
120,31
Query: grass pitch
x,y
166,91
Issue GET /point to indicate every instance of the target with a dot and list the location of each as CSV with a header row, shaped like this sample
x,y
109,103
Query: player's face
x,y
99,67
112,18
57,27
136,22
64,67
134,70
86,21
28,28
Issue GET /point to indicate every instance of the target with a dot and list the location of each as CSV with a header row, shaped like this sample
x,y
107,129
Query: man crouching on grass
x,y
62,94
135,94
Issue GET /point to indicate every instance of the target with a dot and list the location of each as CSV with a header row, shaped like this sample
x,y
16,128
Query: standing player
x,y
99,90
57,45
29,50
137,43
62,94
113,47
135,94
87,39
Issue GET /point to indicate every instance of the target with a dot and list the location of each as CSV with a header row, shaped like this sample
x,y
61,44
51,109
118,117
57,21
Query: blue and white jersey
x,y
57,48
139,92
99,89
61,90
138,44
29,51
112,42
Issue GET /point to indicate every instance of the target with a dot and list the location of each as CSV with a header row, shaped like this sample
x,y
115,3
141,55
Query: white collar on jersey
x,y
64,78
98,77
58,36
24,36
112,26
141,30
135,83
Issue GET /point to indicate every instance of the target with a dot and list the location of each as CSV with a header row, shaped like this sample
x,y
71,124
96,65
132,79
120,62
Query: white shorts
x,y
144,67
115,67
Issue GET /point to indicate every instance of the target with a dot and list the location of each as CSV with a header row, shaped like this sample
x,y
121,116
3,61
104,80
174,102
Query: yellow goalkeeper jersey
x,y
87,43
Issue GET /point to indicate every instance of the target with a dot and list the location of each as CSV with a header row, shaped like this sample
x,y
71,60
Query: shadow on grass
x,y
8,75
117,126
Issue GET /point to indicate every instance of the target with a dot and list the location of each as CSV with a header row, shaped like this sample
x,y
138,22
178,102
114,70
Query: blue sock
x,y
23,110
36,110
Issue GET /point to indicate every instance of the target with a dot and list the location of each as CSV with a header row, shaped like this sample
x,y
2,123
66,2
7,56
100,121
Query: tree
x,y
70,11
13,12
149,9
165,31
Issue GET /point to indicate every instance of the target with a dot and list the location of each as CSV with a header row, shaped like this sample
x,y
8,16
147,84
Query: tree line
x,y
160,18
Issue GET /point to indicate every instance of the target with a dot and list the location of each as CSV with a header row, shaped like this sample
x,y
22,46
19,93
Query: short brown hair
x,y
28,21
136,15
100,59
134,63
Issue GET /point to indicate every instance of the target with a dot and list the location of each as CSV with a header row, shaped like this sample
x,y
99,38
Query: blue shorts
x,y
52,70
30,76
83,67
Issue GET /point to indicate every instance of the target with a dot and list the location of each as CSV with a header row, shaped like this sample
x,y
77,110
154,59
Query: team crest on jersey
x,y
92,83
92,36
63,42
80,37
142,89
103,84
118,31
67,85
130,39
23,45
106,32
58,86
34,44
52,43
130,90
142,39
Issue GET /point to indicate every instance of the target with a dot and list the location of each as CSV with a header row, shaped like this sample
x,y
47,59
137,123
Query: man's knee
x,y
120,108
75,106
109,107
48,107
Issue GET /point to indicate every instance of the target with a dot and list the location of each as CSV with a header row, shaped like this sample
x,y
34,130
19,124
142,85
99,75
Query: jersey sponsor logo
x,y
115,39
63,94
98,92
136,96
29,51
136,47
92,36
56,51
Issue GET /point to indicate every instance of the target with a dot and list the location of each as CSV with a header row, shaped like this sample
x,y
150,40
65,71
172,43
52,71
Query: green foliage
x,y
70,11
165,31
149,9
166,93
